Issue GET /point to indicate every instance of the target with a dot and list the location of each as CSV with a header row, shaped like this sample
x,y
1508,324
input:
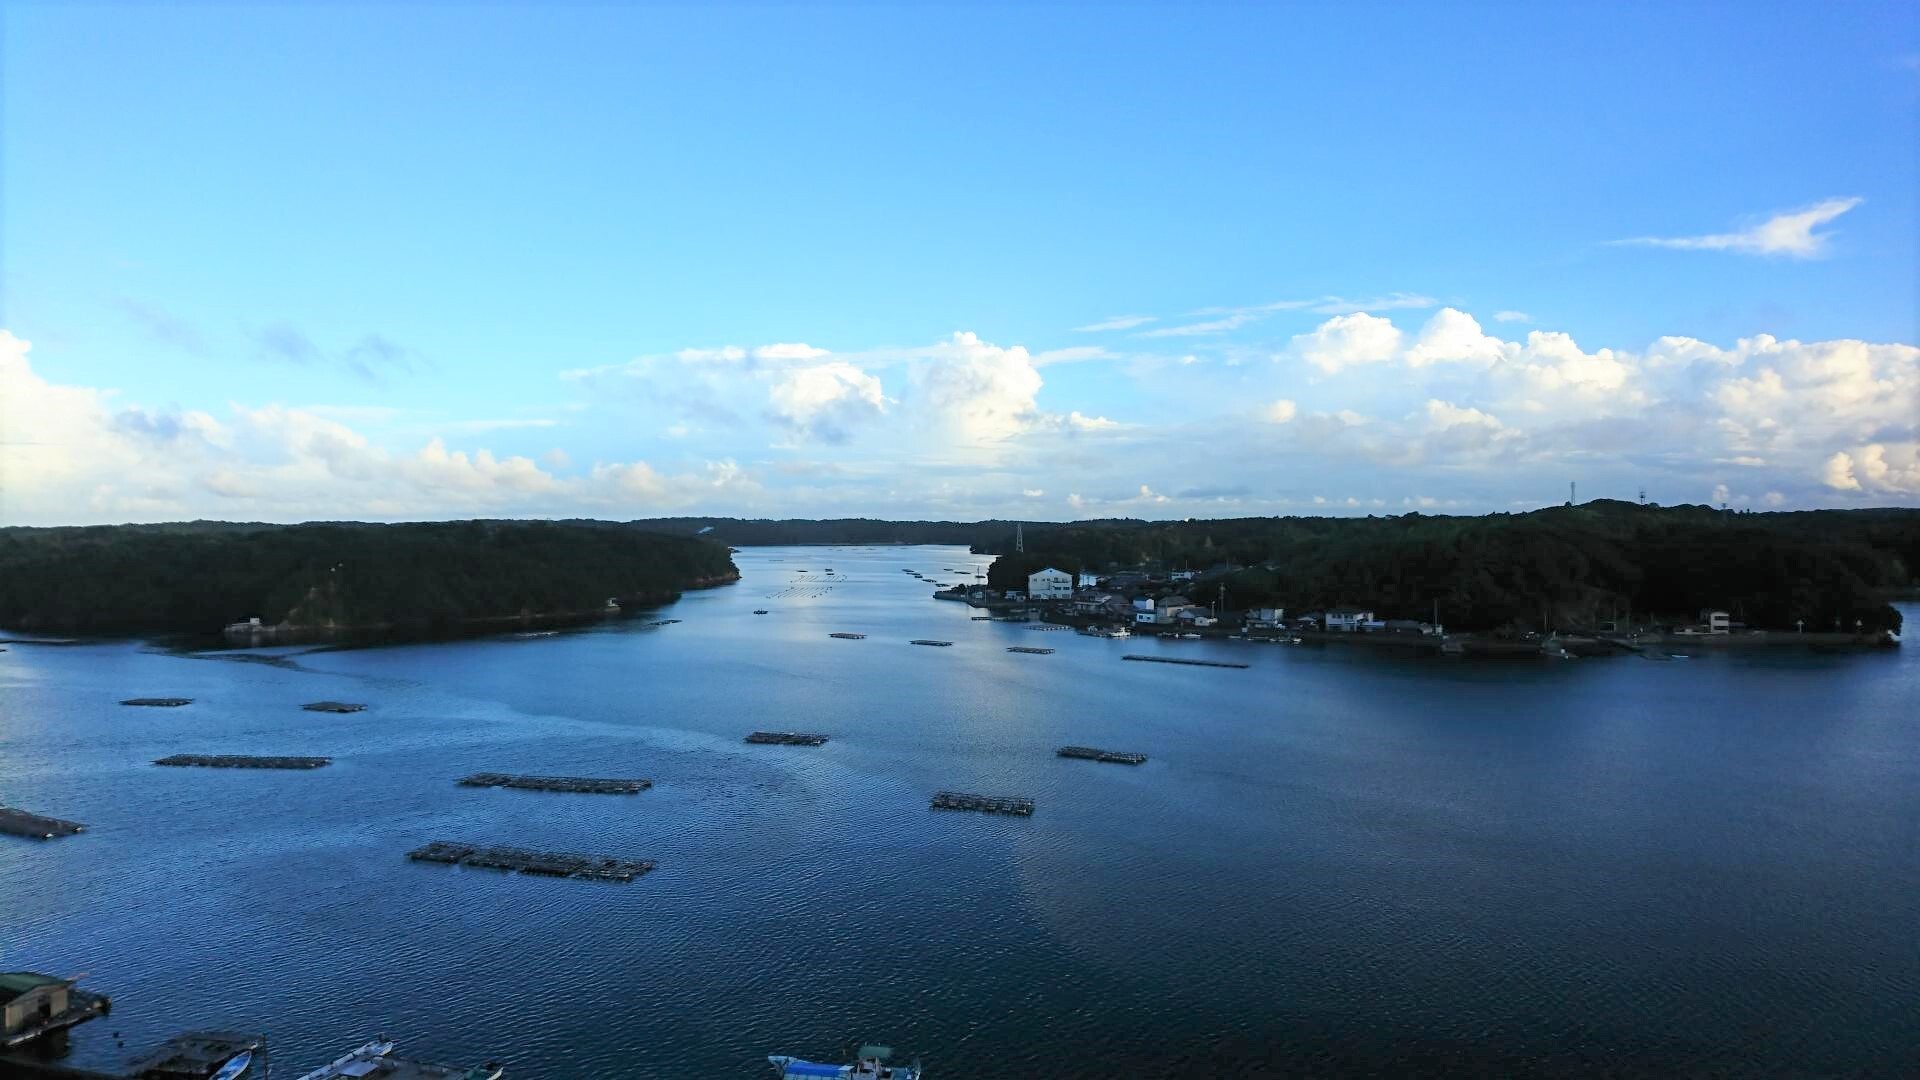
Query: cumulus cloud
x,y
976,391
827,400
1346,340
1232,318
71,454
1790,233
1281,411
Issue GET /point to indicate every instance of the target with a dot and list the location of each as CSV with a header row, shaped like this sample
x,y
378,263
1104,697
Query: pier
x,y
930,641
244,761
1088,753
987,804
546,863
848,637
34,826
583,784
787,738
334,707
159,702
197,1054
1029,649
1180,660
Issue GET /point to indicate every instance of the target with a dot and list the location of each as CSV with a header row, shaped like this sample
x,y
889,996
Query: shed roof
x,y
15,983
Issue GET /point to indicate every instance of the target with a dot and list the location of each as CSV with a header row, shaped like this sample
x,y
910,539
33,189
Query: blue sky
x,y
386,261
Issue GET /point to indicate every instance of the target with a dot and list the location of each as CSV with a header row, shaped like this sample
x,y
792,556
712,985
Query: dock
x,y
197,1054
848,637
546,863
34,826
987,804
1180,660
583,784
930,641
243,761
159,702
787,738
1028,649
1088,753
334,706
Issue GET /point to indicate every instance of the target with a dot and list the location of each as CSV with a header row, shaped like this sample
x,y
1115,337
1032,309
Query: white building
x,y
1266,618
1716,622
1348,620
1050,584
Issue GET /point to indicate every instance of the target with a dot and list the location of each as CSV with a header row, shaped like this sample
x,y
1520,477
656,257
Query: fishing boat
x,y
870,1063
234,1067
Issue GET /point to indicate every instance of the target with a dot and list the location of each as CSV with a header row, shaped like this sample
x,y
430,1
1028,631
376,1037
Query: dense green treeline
x,y
981,535
1564,566
199,576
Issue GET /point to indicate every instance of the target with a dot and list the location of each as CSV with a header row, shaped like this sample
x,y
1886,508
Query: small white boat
x,y
357,1062
869,1064
234,1067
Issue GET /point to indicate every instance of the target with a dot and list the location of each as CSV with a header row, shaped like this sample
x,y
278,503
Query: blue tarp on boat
x,y
808,1068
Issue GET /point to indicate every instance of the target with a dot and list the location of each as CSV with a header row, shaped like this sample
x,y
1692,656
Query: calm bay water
x,y
1334,862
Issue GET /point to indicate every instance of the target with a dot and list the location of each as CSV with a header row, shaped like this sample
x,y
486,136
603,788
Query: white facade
x,y
1716,622
1348,620
1050,584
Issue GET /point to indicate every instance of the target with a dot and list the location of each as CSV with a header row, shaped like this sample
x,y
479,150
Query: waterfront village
x,y
1176,604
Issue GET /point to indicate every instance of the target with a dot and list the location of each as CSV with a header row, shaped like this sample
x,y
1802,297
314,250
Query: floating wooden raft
x,y
990,804
1178,660
585,784
1088,753
930,641
159,702
333,706
1028,649
34,826
547,863
244,761
787,738
848,637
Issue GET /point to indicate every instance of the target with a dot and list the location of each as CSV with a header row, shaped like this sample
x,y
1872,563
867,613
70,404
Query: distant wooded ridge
x,y
1561,566
196,577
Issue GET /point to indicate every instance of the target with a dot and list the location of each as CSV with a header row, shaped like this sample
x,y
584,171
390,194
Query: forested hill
x,y
1564,566
200,576
763,532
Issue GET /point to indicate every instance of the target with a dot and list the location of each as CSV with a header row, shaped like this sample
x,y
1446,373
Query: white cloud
x,y
1345,340
1115,322
826,401
1789,233
1453,335
1512,316
978,392
70,455
1280,411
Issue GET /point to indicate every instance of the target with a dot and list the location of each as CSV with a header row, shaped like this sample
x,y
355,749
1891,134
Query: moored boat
x,y
234,1067
869,1064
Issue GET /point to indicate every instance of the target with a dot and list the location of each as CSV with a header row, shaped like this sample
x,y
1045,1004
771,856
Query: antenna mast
x,y
1019,540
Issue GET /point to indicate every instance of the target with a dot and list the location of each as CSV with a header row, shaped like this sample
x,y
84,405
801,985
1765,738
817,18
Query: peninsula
x,y
334,577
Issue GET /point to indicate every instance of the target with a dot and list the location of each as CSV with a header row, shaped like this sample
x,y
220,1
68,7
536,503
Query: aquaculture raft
x,y
1088,753
1028,649
34,826
584,784
848,637
159,702
930,641
244,761
545,863
333,706
990,804
787,738
1179,660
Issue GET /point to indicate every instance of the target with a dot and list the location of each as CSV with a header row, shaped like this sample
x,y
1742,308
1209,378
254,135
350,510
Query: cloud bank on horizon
x,y
1360,414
